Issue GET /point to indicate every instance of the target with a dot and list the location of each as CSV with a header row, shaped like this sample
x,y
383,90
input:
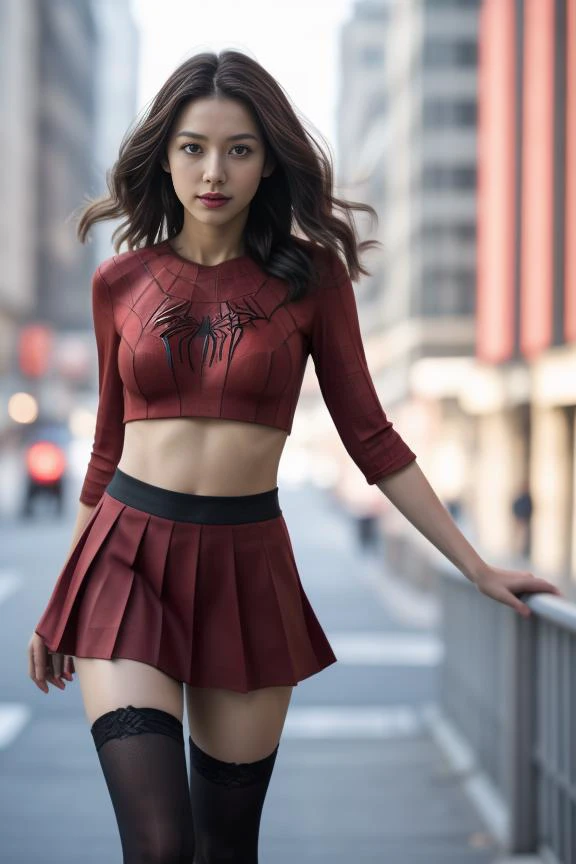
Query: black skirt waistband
x,y
189,507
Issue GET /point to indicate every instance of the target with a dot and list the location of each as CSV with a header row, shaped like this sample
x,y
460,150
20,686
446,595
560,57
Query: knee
x,y
162,848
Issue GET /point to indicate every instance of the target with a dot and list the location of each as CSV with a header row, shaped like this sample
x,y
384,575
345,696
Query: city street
x,y
357,230
358,779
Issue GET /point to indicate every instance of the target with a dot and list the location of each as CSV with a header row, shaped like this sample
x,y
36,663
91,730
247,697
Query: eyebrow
x,y
188,134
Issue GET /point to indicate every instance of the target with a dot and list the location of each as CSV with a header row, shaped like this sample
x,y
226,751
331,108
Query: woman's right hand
x,y
44,666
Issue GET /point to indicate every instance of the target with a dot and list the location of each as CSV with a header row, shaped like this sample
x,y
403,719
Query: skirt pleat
x,y
258,595
212,605
59,619
116,594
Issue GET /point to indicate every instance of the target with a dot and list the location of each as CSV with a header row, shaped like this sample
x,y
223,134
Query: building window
x,y
448,232
464,177
465,232
372,55
452,5
439,177
450,53
448,292
439,113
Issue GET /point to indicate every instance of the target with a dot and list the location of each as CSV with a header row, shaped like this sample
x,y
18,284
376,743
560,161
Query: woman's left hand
x,y
503,585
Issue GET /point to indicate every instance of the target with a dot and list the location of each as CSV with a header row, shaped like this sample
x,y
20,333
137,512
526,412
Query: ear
x,y
165,165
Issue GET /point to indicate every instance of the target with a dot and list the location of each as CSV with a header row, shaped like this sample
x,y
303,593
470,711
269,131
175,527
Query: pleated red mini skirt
x,y
205,588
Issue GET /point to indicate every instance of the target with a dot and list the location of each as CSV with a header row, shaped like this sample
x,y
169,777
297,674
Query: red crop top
x,y
181,339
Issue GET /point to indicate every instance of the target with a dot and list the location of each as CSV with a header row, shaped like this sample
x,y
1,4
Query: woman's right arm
x,y
45,668
105,455
109,432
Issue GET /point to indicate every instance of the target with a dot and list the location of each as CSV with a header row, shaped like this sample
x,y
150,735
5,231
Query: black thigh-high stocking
x,y
227,801
141,751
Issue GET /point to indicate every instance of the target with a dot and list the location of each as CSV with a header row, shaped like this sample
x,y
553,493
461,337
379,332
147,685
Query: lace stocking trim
x,y
123,722
236,774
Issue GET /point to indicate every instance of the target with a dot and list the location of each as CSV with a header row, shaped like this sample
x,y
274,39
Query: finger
x,y
39,669
540,586
40,661
56,682
57,664
516,603
52,671
550,588
32,670
51,677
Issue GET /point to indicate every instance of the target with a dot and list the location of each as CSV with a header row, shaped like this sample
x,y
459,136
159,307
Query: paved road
x,y
358,779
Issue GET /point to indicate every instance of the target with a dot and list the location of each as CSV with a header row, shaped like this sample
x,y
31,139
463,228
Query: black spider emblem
x,y
225,327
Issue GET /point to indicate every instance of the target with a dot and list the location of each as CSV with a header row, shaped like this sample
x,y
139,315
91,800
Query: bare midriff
x,y
203,455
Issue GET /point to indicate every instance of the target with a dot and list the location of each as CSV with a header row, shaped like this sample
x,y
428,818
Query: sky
x,y
296,41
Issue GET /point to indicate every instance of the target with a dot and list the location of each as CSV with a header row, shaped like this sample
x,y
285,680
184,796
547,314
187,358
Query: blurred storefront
x,y
523,388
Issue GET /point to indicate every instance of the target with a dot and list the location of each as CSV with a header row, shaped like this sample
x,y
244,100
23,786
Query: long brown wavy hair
x,y
297,196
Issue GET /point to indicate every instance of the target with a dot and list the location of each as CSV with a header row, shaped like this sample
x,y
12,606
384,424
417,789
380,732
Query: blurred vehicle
x,y
45,463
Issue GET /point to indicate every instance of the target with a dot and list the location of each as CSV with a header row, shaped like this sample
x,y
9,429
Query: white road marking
x,y
386,649
9,584
356,722
13,718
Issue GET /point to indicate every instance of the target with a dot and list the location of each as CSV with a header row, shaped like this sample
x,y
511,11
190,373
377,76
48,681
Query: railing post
x,y
523,827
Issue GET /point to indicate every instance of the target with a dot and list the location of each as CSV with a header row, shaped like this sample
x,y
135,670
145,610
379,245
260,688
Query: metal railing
x,y
508,686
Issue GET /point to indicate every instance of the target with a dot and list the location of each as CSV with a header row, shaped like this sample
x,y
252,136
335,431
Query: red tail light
x,y
45,462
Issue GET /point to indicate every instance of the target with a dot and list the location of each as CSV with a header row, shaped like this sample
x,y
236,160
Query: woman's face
x,y
215,146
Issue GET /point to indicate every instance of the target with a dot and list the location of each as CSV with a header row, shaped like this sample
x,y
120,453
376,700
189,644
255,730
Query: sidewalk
x,y
381,798
420,609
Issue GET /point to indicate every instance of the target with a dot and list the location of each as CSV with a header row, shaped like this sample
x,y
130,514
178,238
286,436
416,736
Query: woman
x,y
181,580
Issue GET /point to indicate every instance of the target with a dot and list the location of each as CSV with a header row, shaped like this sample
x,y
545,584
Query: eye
x,y
236,146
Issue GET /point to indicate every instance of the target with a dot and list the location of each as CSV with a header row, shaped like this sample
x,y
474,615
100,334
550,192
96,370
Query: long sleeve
x,y
345,381
109,433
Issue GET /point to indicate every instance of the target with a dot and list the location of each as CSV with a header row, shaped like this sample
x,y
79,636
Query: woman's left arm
x,y
411,493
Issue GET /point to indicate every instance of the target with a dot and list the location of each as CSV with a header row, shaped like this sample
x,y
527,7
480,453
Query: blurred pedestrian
x,y
365,505
522,508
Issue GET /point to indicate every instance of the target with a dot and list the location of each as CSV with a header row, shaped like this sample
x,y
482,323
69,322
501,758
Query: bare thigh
x,y
237,727
110,684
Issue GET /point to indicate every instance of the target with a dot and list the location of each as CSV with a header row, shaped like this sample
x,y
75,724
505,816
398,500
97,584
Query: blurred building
x,y
89,98
116,86
362,125
67,56
428,209
362,97
412,154
65,100
18,172
523,390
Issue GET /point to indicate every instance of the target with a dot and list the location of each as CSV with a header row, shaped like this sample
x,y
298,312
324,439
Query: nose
x,y
214,170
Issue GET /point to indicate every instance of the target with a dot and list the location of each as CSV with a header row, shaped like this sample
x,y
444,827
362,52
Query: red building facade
x,y
526,291
526,282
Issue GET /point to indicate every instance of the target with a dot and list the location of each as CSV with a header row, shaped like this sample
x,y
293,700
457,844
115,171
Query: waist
x,y
203,455
190,507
